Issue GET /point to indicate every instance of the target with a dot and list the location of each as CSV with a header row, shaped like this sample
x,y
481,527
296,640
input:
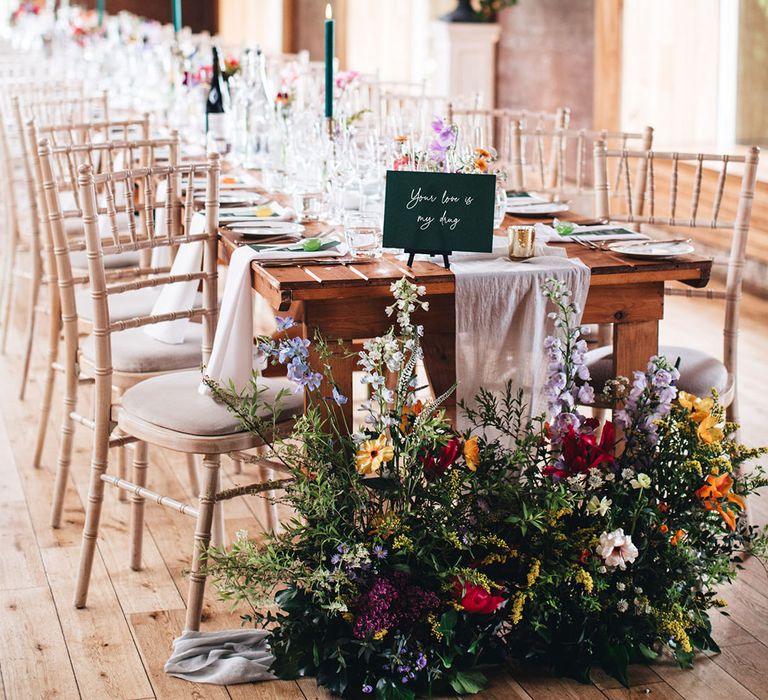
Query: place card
x,y
437,212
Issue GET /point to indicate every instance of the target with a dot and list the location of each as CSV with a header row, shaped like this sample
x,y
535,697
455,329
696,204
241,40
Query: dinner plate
x,y
543,209
256,229
651,251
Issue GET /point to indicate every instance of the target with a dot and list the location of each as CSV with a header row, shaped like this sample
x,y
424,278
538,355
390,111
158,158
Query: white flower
x,y
638,590
617,549
337,606
622,605
643,481
595,479
620,586
601,570
599,505
627,473
358,437
610,476
241,535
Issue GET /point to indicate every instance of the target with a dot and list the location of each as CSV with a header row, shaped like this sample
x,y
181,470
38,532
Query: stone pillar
x,y
466,59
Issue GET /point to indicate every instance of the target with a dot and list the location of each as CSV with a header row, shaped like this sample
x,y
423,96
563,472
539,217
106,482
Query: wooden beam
x,y
608,50
289,26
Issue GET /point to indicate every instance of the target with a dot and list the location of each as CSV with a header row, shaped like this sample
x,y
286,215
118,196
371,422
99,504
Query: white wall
x,y
251,22
670,70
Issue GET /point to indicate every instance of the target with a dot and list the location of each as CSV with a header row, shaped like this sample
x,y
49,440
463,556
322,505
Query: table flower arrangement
x,y
417,556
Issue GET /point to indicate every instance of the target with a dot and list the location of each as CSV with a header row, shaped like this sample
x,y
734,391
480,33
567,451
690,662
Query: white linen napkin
x,y
181,295
161,257
232,353
500,299
221,658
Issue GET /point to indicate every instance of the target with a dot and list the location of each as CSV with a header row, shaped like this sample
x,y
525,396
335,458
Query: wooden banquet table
x,y
345,303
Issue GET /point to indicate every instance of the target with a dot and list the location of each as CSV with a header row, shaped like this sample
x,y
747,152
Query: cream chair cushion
x,y
172,401
74,229
699,372
134,351
138,302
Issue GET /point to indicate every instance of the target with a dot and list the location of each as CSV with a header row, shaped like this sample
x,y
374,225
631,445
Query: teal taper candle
x,y
101,11
328,62
176,15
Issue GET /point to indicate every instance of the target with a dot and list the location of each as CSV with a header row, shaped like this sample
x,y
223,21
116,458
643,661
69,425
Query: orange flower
x,y
481,165
414,411
679,535
663,507
664,529
714,491
472,453
482,153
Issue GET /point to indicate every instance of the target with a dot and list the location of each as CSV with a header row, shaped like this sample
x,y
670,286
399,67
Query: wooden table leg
x,y
634,343
439,346
341,365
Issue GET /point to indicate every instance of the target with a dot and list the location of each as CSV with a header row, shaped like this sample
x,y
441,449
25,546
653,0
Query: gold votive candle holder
x,y
521,240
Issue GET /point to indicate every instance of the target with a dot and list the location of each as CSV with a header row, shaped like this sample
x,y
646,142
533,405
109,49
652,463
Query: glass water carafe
x,y
254,112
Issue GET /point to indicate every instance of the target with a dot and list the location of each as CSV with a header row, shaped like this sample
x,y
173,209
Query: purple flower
x,y
421,661
392,602
284,323
335,559
379,551
367,689
338,397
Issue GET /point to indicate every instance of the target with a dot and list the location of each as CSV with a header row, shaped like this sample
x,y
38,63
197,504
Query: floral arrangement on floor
x,y
418,556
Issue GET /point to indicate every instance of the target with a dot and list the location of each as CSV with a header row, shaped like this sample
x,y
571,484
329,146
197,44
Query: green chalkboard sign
x,y
439,211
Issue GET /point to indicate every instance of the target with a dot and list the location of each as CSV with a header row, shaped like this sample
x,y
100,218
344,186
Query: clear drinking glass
x,y
362,231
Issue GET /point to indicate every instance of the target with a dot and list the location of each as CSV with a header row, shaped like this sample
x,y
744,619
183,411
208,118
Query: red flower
x,y
582,452
435,468
476,599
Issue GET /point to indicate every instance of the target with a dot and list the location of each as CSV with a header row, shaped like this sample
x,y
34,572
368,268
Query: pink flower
x,y
345,78
616,549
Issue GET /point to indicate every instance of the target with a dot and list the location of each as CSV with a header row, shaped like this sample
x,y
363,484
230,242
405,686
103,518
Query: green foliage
x,y
416,555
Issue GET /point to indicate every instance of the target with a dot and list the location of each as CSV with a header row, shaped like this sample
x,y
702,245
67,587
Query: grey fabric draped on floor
x,y
221,658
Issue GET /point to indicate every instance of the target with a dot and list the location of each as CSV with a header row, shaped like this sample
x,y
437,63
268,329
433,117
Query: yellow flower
x,y
584,578
533,574
708,431
518,603
472,454
699,408
380,634
372,453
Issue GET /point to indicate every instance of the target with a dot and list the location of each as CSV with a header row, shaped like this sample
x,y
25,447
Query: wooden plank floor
x,y
116,647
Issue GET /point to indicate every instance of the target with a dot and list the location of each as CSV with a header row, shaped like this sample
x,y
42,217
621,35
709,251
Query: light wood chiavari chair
x,y
693,200
491,128
136,356
570,172
149,411
23,231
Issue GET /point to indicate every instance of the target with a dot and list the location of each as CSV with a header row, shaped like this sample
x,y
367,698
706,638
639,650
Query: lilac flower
x,y
338,397
649,400
421,661
301,373
367,689
284,322
293,348
379,551
335,559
